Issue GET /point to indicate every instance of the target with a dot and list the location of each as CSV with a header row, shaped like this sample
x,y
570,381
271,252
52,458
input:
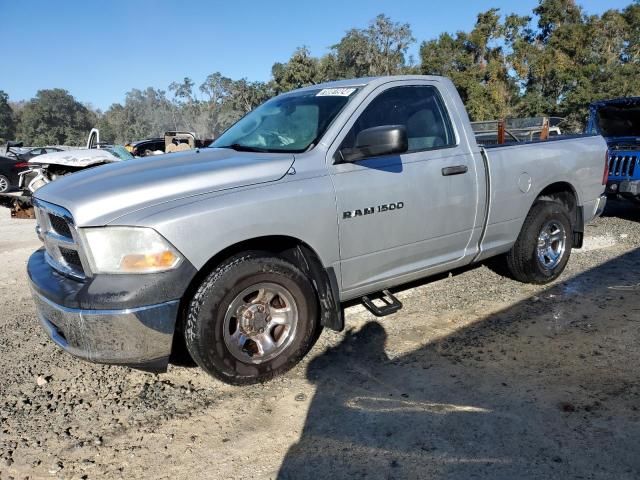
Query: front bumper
x,y
626,188
117,319
138,337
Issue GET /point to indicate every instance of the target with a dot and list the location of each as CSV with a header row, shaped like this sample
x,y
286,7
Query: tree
x,y
243,97
553,62
145,113
553,14
183,91
7,119
387,45
300,71
477,65
189,112
217,89
570,59
350,55
379,49
54,117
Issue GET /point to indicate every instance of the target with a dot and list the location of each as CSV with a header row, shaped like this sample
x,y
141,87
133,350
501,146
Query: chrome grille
x,y
622,165
58,232
60,225
71,258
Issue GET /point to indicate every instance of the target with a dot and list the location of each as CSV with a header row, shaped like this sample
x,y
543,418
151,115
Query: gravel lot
x,y
477,377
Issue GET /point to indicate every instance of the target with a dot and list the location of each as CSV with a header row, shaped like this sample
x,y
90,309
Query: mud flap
x,y
578,228
326,285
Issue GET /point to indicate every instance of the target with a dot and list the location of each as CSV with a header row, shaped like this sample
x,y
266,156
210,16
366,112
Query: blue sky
x,y
98,50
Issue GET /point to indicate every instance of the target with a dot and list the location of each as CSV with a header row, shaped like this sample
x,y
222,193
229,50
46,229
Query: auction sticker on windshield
x,y
335,92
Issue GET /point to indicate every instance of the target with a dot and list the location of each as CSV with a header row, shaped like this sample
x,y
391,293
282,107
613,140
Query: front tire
x,y
5,185
543,247
253,318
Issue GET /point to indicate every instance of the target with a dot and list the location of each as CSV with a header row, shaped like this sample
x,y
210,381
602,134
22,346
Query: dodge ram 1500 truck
x,y
618,120
245,250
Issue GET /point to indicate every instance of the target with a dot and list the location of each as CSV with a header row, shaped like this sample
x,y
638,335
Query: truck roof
x,y
368,81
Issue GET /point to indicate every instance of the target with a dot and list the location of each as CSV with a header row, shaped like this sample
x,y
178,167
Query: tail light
x,y
21,165
605,175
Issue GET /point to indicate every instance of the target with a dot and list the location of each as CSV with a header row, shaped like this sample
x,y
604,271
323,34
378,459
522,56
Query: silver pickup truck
x,y
245,250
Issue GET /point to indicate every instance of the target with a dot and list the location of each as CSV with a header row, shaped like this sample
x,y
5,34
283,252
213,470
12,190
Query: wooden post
x,y
544,134
501,132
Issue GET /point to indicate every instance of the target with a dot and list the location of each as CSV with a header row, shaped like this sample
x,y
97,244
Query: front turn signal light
x,y
152,262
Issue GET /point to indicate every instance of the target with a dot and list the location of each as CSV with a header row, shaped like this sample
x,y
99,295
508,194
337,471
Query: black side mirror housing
x,y
377,141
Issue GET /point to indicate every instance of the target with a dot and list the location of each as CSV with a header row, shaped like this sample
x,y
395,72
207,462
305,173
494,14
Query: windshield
x,y
120,152
619,120
288,123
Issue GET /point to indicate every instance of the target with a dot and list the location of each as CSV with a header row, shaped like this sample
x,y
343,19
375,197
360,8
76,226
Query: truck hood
x,y
617,119
99,195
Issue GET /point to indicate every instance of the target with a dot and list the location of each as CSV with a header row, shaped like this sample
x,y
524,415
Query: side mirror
x,y
377,141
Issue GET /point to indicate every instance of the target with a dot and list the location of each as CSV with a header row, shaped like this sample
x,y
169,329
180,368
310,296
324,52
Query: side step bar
x,y
390,304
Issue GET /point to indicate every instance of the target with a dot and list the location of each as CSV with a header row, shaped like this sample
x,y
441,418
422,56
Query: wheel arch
x,y
565,193
323,278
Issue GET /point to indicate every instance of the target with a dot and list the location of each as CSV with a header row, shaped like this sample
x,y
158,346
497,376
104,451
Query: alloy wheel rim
x,y
552,242
4,185
260,323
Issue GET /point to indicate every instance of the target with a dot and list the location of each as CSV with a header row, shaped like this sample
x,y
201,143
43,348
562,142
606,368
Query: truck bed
x,y
524,169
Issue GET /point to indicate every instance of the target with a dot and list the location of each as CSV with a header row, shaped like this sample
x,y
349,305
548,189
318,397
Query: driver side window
x,y
419,108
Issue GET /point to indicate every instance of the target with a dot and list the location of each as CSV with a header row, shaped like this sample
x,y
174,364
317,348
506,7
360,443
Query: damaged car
x,y
46,168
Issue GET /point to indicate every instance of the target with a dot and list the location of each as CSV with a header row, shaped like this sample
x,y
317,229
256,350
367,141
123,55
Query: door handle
x,y
457,170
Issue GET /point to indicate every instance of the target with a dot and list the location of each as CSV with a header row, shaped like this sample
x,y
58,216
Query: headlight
x,y
128,250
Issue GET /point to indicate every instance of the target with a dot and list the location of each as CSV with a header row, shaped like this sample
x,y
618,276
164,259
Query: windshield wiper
x,y
242,148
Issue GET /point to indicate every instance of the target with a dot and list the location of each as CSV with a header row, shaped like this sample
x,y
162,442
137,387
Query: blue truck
x,y
618,121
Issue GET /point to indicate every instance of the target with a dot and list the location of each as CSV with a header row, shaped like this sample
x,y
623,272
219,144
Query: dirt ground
x,y
477,377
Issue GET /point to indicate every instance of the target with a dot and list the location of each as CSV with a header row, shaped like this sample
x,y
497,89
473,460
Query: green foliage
x,y
54,117
379,49
554,62
477,65
7,119
145,113
150,113
300,71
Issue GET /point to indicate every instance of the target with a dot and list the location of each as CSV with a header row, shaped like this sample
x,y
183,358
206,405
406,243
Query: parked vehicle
x,y
246,250
14,149
181,141
618,120
9,172
172,141
149,146
34,152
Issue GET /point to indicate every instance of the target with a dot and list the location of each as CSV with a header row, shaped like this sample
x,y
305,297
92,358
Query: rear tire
x,y
253,318
543,247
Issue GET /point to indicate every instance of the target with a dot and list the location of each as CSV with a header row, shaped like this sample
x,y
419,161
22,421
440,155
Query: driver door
x,y
402,214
